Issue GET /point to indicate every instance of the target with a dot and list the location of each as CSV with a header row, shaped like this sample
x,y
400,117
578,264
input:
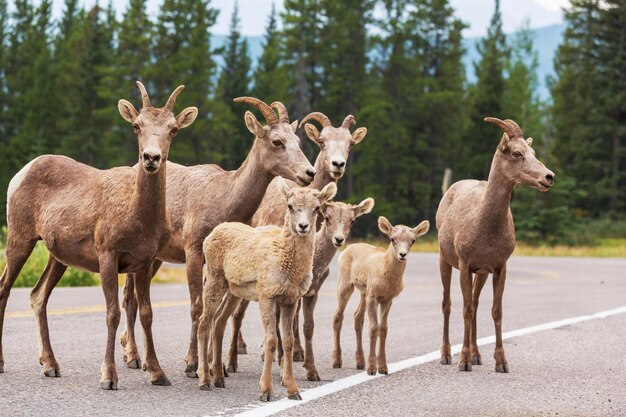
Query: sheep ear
x,y
358,135
186,117
253,125
422,228
364,207
312,133
283,187
385,226
529,142
127,110
504,143
294,126
327,192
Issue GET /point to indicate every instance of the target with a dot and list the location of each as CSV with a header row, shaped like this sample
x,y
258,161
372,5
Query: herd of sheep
x,y
265,232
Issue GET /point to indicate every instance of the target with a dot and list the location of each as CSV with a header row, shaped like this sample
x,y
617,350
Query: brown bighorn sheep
x,y
377,273
201,197
338,220
477,236
272,266
106,221
335,145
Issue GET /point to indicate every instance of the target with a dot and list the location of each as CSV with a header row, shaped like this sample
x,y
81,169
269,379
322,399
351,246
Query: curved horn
x,y
515,127
348,121
145,99
321,118
266,111
283,116
170,101
508,129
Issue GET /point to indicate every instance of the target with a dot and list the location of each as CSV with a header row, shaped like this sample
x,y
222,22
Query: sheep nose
x,y
339,163
339,240
151,157
310,173
303,226
402,255
550,178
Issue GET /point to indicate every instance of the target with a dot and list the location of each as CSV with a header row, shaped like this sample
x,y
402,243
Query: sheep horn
x,y
145,99
283,116
508,129
321,118
266,111
515,127
170,101
348,121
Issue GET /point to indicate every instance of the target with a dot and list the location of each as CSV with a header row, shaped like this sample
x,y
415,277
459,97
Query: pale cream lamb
x,y
377,273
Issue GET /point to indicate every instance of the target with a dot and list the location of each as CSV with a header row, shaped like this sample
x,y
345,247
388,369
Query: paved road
x,y
573,370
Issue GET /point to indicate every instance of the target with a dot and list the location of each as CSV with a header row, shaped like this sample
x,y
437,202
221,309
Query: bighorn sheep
x,y
201,197
377,274
106,221
338,220
477,236
272,266
335,145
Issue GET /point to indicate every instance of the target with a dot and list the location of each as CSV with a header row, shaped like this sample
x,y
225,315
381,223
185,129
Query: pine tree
x,y
271,80
4,20
486,99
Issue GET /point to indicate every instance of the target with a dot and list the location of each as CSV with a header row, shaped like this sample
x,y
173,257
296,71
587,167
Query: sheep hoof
x,y
295,396
313,376
163,382
232,368
265,396
2,369
298,357
360,365
219,383
241,350
371,371
205,387
465,366
52,373
502,368
108,384
446,360
134,364
477,360
225,371
383,372
191,374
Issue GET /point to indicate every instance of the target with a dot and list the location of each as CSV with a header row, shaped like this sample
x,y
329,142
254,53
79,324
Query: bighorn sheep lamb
x,y
335,145
272,266
377,274
338,220
477,236
106,221
201,197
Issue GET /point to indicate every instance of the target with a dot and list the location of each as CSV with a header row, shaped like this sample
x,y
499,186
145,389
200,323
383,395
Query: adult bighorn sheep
x,y
477,236
335,145
106,221
202,196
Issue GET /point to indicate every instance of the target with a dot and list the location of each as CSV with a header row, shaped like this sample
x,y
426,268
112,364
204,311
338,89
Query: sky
x,y
476,13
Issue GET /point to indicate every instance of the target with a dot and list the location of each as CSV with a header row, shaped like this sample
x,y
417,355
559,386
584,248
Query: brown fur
x,y
477,236
377,273
272,266
105,221
201,197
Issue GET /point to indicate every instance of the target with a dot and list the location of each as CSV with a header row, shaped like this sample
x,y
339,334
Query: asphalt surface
x,y
573,370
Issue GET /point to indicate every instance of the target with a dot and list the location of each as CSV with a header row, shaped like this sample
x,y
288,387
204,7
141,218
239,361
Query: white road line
x,y
259,409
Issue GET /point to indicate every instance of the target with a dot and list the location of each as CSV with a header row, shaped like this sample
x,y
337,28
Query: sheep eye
x,y
277,143
290,206
136,127
174,131
517,154
327,219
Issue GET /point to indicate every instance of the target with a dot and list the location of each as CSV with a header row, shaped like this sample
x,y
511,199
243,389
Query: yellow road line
x,y
88,309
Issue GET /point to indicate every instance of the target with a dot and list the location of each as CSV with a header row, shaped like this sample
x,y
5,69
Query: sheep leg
x,y
279,347
372,313
499,278
479,282
445,270
39,301
465,363
17,252
108,278
237,344
344,292
298,352
288,379
308,308
229,305
268,316
359,318
127,340
195,261
212,295
142,292
382,337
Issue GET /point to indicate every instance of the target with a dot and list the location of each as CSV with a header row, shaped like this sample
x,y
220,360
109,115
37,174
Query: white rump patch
x,y
16,181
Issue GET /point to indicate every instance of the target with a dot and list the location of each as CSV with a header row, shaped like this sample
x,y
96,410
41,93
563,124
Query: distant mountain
x,y
547,40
